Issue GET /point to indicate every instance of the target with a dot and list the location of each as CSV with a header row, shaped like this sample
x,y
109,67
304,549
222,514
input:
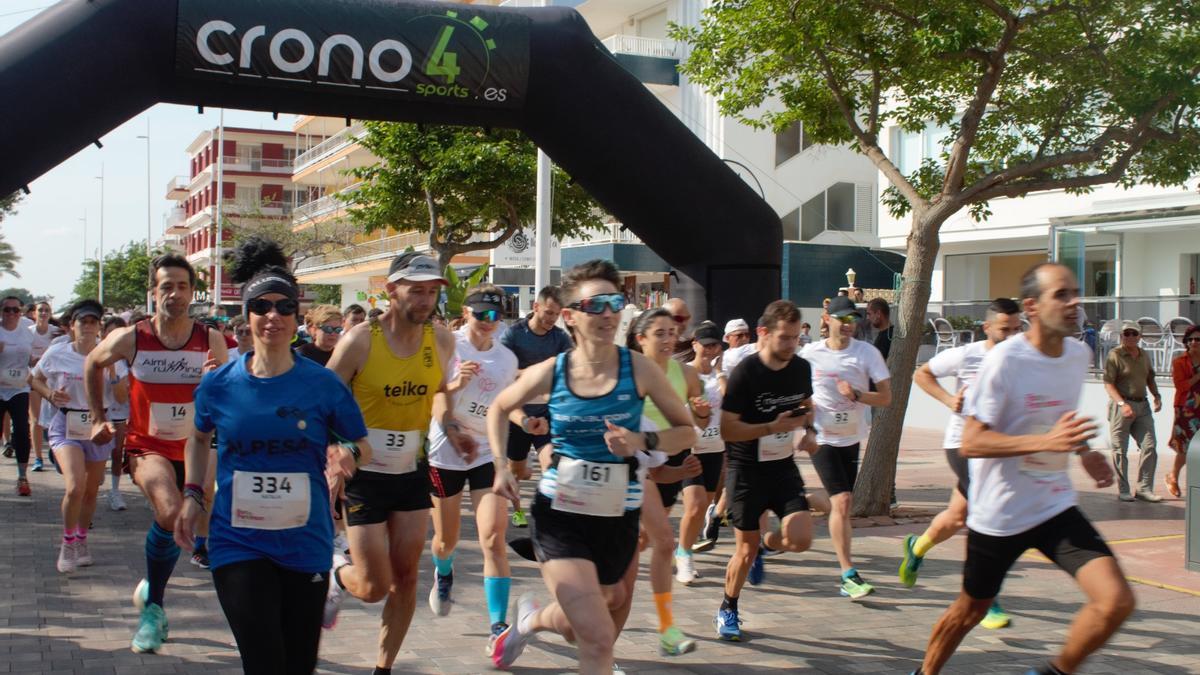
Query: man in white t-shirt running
x,y
842,371
1020,433
962,363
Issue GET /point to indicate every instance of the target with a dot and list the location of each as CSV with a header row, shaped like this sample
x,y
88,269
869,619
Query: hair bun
x,y
254,255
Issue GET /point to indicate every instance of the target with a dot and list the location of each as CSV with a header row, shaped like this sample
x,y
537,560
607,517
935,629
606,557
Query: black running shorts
x,y
710,475
445,483
520,442
837,467
958,464
609,543
756,488
1069,540
370,496
670,491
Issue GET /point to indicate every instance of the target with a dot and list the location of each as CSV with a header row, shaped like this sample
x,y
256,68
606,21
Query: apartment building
x,y
234,174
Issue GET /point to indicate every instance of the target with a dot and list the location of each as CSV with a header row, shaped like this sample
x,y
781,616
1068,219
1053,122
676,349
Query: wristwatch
x,y
651,439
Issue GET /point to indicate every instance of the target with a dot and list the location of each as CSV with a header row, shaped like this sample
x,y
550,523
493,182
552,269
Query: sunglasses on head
x,y
284,306
597,303
1131,333
330,330
486,315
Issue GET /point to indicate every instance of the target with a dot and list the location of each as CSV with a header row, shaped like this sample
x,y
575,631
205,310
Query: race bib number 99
x,y
270,501
171,421
393,452
79,425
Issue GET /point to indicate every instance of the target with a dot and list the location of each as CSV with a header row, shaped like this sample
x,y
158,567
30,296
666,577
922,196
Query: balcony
x,y
257,164
322,206
176,222
651,60
178,187
365,252
610,234
328,147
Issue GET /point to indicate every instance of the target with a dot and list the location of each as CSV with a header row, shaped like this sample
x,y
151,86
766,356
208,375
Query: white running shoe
x,y
441,596
341,544
333,599
685,569
83,557
115,501
66,558
512,641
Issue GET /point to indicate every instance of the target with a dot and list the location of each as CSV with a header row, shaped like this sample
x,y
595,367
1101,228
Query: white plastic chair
x,y
1107,339
1156,343
946,336
1175,329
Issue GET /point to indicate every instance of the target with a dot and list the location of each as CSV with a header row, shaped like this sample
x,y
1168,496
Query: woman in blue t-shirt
x,y
585,513
271,526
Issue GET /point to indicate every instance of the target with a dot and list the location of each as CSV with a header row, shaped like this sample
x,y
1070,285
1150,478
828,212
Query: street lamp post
x,y
100,255
150,274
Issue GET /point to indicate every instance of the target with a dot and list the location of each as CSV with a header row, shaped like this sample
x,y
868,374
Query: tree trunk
x,y
872,492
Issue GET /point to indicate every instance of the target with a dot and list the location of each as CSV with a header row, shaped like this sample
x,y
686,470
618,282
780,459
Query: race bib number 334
x,y
270,501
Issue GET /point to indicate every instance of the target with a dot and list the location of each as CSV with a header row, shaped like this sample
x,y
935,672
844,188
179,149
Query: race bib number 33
x,y
270,501
393,452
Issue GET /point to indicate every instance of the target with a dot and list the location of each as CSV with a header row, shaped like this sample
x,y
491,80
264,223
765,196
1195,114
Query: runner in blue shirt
x,y
271,524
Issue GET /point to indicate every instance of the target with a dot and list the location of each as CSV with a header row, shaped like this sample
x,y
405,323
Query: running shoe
x,y
685,570
37,465
519,519
23,487
200,558
729,626
151,630
757,572
712,528
341,544
854,587
141,598
910,563
995,617
8,450
512,641
672,642
83,557
66,558
115,501
333,599
497,629
441,596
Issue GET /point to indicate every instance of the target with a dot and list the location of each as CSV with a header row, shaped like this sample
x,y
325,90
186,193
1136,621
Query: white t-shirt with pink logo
x,y
1021,391
497,370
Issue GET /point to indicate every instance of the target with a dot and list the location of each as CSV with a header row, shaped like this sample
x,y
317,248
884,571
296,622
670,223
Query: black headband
x,y
268,282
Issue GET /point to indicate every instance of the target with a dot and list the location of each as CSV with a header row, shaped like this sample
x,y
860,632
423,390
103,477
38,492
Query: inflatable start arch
x,y
83,67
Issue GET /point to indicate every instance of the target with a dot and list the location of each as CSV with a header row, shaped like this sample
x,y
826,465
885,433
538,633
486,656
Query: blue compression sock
x,y
200,542
161,556
445,566
681,551
496,590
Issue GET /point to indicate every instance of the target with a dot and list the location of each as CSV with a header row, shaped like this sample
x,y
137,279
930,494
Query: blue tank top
x,y
577,423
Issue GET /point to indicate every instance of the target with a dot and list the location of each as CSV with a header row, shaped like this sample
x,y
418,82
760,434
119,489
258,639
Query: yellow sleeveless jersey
x,y
396,398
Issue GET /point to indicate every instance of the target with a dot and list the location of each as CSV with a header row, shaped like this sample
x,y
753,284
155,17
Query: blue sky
x,y
48,230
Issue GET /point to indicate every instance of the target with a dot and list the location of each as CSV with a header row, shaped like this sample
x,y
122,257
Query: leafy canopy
x,y
458,183
1037,94
126,277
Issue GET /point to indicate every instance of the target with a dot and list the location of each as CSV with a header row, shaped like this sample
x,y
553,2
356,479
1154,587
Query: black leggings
x,y
17,408
275,615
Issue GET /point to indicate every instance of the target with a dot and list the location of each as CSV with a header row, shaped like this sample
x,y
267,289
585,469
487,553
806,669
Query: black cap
x,y
707,333
481,302
841,306
86,310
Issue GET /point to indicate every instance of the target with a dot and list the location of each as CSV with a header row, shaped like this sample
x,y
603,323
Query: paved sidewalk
x,y
795,622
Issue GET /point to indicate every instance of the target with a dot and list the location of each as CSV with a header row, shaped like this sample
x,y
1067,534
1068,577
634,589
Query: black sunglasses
x,y
12,310
331,330
284,306
1131,333
597,303
1191,340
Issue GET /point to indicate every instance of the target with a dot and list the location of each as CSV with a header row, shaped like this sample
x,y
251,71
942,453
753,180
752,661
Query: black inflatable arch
x,y
83,67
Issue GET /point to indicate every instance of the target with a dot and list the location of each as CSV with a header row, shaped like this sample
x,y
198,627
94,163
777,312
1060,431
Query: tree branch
x,y
956,166
868,144
889,8
1017,189
876,93
1001,11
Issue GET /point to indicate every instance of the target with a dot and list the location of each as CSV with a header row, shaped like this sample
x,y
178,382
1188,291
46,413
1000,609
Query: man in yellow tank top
x,y
394,365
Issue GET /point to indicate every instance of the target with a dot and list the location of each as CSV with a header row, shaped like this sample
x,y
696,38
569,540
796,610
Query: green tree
x,y
470,189
1038,95
125,278
8,256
